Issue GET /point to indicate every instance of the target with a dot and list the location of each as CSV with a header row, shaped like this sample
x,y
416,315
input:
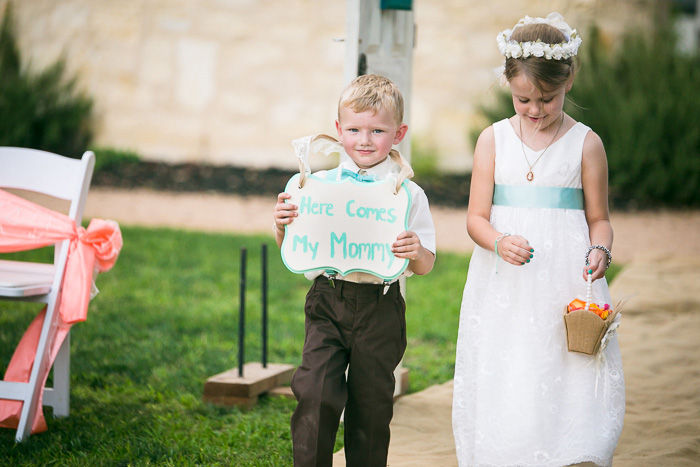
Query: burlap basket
x,y
585,330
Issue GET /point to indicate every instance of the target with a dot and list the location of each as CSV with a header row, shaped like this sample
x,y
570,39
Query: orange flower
x,y
578,304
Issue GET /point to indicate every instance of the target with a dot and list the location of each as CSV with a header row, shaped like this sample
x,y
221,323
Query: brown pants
x,y
356,325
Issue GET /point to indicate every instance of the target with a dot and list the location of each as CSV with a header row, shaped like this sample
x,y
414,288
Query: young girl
x,y
538,208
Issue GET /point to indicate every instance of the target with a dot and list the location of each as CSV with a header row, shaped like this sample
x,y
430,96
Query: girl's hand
x,y
515,249
598,261
284,212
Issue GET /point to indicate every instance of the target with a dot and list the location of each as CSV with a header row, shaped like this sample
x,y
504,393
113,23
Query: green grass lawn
x,y
166,320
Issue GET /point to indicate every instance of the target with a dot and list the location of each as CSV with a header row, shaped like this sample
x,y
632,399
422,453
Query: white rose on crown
x,y
537,49
514,50
557,52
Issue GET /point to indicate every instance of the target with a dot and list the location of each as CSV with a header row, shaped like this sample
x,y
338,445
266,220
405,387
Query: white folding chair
x,y
65,179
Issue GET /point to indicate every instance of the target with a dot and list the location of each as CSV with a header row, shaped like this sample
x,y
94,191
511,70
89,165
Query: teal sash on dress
x,y
552,197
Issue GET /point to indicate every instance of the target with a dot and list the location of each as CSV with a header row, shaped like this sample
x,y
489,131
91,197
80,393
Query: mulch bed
x,y
442,190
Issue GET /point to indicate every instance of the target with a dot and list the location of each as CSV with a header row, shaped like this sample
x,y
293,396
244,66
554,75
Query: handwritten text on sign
x,y
347,226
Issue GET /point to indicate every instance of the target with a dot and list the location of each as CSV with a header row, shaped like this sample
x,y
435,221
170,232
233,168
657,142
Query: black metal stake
x,y
241,315
264,305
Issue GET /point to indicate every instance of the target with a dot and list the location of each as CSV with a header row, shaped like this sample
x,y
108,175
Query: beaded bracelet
x,y
599,247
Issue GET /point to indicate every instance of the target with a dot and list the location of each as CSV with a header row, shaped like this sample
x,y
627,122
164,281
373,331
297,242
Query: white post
x,y
380,41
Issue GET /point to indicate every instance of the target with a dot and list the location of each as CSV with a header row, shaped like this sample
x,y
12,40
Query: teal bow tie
x,y
360,178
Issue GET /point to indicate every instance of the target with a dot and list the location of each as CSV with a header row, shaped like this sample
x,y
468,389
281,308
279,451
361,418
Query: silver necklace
x,y
530,175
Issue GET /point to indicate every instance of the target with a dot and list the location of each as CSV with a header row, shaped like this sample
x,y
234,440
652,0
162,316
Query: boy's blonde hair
x,y
372,92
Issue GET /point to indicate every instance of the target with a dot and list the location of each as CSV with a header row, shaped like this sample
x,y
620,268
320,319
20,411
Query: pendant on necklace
x,y
530,175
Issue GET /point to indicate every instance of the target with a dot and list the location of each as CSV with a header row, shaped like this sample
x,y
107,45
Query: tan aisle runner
x,y
421,430
660,344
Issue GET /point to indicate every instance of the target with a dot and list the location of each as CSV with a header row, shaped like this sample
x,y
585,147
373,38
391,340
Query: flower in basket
x,y
579,304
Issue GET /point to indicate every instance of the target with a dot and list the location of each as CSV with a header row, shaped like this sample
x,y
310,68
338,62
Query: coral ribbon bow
x,y
96,248
25,225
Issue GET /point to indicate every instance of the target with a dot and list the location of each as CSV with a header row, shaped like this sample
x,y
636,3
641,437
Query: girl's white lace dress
x,y
520,398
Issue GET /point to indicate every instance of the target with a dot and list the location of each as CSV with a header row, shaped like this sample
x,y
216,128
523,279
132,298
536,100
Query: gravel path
x,y
643,234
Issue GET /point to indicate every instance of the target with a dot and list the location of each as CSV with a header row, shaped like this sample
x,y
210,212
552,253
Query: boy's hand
x,y
407,245
284,215
284,212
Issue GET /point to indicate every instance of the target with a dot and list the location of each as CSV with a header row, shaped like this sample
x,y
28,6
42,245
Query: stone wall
x,y
234,81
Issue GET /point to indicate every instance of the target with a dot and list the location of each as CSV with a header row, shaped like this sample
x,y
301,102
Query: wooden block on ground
x,y
404,384
281,391
228,388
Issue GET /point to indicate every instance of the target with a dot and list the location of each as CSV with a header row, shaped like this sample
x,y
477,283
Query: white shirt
x,y
420,220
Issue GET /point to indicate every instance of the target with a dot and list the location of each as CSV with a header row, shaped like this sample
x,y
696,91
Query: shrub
x,y
108,158
643,102
423,158
642,99
39,110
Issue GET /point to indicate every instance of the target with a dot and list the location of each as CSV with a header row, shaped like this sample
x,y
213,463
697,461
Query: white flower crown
x,y
513,49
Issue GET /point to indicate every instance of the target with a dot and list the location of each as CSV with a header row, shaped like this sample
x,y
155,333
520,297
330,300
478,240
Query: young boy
x,y
352,323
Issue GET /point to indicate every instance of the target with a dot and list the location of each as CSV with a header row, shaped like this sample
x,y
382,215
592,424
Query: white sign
x,y
346,226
